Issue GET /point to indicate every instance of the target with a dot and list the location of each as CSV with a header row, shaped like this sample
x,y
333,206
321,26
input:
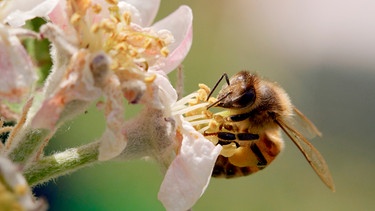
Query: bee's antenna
x,y
217,83
218,100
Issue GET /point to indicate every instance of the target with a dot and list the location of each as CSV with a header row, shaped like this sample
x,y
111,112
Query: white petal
x,y
147,11
59,17
179,23
16,12
113,140
190,172
16,69
110,145
167,94
70,95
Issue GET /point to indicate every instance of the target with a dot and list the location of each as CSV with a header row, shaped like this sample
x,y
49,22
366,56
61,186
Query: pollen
x,y
108,26
114,2
228,150
121,47
148,44
80,6
96,8
204,88
113,9
164,51
75,18
95,28
150,79
127,18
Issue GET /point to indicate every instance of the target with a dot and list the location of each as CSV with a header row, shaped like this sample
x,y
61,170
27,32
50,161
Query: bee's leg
x,y
247,136
262,162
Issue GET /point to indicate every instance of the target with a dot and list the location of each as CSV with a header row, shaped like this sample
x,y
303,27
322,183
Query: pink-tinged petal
x,y
180,24
16,12
16,69
49,113
190,172
59,17
75,92
147,11
113,140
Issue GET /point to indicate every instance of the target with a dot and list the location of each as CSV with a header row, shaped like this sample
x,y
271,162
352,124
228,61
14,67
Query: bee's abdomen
x,y
250,158
224,169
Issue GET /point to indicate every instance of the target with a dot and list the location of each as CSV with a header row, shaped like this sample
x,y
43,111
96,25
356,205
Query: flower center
x,y
130,46
194,109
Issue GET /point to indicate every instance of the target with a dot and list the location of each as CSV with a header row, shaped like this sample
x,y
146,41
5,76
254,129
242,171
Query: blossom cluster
x,y
104,52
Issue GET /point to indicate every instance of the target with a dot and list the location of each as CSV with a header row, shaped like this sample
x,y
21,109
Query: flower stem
x,y
28,145
59,164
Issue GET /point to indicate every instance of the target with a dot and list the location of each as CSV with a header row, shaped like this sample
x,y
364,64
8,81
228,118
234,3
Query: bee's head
x,y
240,92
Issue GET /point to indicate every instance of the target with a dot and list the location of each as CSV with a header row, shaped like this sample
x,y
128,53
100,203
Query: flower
x,y
189,174
170,138
107,49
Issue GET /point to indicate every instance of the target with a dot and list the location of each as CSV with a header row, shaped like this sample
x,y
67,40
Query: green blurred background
x,y
320,52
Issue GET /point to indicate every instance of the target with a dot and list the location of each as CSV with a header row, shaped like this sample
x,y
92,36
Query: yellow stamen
x,y
115,19
164,51
148,44
108,26
80,6
95,28
150,79
127,18
75,18
121,47
97,8
228,150
113,2
132,52
113,9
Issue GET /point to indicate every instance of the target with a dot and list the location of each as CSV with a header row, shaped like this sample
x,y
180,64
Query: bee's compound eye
x,y
247,98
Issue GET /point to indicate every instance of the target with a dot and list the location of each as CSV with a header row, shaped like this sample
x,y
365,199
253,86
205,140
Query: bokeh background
x,y
322,52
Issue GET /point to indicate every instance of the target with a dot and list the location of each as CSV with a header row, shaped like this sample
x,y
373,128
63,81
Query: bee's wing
x,y
311,154
303,121
302,124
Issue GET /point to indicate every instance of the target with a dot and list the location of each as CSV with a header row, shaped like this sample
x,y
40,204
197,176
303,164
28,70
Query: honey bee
x,y
249,127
